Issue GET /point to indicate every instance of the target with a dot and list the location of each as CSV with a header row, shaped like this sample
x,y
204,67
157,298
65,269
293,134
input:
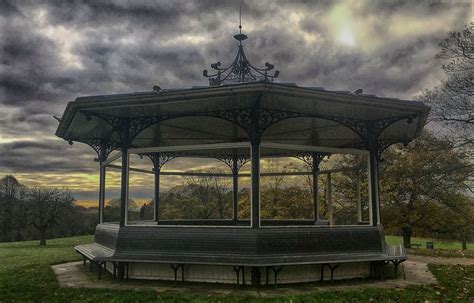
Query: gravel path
x,y
441,260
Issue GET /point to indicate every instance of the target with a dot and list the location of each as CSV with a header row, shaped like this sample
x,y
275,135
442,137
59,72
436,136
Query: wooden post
x,y
329,200
101,191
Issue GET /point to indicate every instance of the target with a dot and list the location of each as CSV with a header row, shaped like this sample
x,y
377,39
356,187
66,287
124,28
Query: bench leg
x,y
237,273
175,269
275,275
120,270
333,268
395,267
99,270
127,266
266,274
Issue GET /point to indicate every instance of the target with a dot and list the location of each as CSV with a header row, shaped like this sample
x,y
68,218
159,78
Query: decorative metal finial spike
x,y
240,19
240,70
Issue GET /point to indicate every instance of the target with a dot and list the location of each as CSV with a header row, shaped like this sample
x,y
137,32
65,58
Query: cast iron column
x,y
358,198
235,184
255,158
101,191
329,200
374,181
124,176
315,171
255,139
157,171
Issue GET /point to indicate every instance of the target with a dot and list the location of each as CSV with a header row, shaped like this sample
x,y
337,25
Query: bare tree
x,y
47,208
212,195
11,208
452,103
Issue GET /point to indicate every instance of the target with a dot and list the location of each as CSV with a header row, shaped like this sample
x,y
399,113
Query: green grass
x,y
438,243
25,275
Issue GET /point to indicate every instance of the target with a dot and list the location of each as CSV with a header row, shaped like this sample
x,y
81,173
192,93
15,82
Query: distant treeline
x,y
40,213
422,191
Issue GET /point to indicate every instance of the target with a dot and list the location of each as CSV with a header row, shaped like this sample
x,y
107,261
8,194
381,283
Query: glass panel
x,y
112,195
196,187
140,190
285,189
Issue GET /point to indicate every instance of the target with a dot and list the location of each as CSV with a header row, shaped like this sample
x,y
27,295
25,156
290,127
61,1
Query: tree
x,y
112,210
147,211
208,197
452,103
457,217
47,208
11,208
421,185
285,197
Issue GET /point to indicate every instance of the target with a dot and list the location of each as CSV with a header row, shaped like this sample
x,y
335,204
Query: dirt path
x,y
441,260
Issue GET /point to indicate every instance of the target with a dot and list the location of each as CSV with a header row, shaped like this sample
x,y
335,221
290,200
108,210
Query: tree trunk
x,y
406,233
464,244
42,237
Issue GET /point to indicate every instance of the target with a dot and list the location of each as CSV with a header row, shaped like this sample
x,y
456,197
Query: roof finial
x,y
240,19
240,37
240,70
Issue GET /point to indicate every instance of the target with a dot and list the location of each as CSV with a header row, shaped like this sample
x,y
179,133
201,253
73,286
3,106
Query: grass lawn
x,y
25,275
442,248
438,244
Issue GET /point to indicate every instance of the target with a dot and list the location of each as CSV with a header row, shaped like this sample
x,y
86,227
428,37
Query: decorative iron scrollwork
x,y
102,147
309,158
240,70
229,159
159,159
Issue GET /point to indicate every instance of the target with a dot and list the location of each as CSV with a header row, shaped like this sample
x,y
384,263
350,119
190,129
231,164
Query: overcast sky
x,y
55,51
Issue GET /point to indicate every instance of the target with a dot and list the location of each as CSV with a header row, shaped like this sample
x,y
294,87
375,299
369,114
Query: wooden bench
x,y
267,248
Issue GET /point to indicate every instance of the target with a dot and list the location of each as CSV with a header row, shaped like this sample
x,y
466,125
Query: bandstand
x,y
242,116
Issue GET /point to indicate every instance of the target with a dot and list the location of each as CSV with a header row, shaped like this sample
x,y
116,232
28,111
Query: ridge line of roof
x,y
231,86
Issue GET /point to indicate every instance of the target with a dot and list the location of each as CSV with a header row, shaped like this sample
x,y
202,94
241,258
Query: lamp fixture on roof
x,y
241,70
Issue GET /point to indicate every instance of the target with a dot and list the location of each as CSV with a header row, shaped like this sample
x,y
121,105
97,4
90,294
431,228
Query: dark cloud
x,y
54,51
44,156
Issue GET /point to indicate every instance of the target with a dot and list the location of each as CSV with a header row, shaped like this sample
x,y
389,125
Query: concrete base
x,y
74,275
228,275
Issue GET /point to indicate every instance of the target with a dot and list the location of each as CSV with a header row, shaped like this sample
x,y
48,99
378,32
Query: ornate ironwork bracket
x,y
229,159
102,147
312,157
253,120
159,159
135,124
373,129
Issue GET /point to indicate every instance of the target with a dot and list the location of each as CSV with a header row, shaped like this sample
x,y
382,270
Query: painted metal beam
x,y
197,174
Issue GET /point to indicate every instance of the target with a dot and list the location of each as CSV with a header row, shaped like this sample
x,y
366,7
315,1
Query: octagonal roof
x,y
202,115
